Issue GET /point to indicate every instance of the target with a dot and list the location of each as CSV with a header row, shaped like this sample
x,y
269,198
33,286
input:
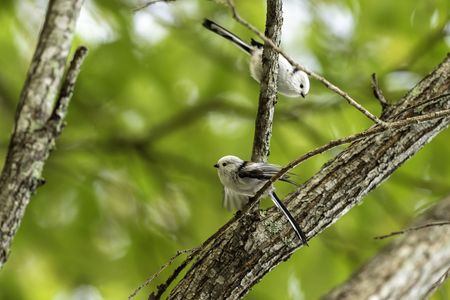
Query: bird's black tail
x,y
210,25
301,235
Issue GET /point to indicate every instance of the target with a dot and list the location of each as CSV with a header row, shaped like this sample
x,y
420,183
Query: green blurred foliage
x,y
159,100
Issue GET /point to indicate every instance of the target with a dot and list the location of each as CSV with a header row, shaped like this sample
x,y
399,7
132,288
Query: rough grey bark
x,y
37,123
249,246
408,267
268,93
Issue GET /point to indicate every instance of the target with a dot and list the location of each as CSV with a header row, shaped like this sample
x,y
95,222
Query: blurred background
x,y
160,99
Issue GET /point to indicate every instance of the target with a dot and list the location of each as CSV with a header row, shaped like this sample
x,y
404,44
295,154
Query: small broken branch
x,y
56,120
378,93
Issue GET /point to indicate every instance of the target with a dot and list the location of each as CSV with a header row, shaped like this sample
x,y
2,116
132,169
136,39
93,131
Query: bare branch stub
x,y
56,121
378,93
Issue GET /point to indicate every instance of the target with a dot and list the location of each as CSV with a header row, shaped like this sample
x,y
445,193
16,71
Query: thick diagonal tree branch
x,y
38,120
236,257
409,267
268,94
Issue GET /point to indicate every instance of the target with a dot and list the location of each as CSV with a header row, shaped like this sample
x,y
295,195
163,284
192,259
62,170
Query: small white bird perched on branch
x,y
291,81
242,179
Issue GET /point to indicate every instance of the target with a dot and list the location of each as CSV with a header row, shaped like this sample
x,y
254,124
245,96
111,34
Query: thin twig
x,y
381,237
378,93
319,78
147,4
436,285
155,275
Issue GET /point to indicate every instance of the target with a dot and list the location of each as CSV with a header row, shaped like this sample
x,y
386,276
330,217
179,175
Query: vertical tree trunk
x,y
33,138
268,95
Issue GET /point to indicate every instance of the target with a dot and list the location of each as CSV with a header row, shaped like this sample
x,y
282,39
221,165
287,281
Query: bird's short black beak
x,y
303,95
216,166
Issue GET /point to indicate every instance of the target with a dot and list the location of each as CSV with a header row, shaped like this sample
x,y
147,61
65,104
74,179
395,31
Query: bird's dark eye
x,y
224,164
301,85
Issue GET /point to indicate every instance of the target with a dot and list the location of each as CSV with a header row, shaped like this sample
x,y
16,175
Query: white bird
x,y
242,179
291,81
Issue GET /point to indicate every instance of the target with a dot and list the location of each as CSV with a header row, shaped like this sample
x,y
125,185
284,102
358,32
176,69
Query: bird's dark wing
x,y
262,171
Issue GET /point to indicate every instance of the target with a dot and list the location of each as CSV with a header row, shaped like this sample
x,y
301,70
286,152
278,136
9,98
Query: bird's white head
x,y
301,82
228,164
